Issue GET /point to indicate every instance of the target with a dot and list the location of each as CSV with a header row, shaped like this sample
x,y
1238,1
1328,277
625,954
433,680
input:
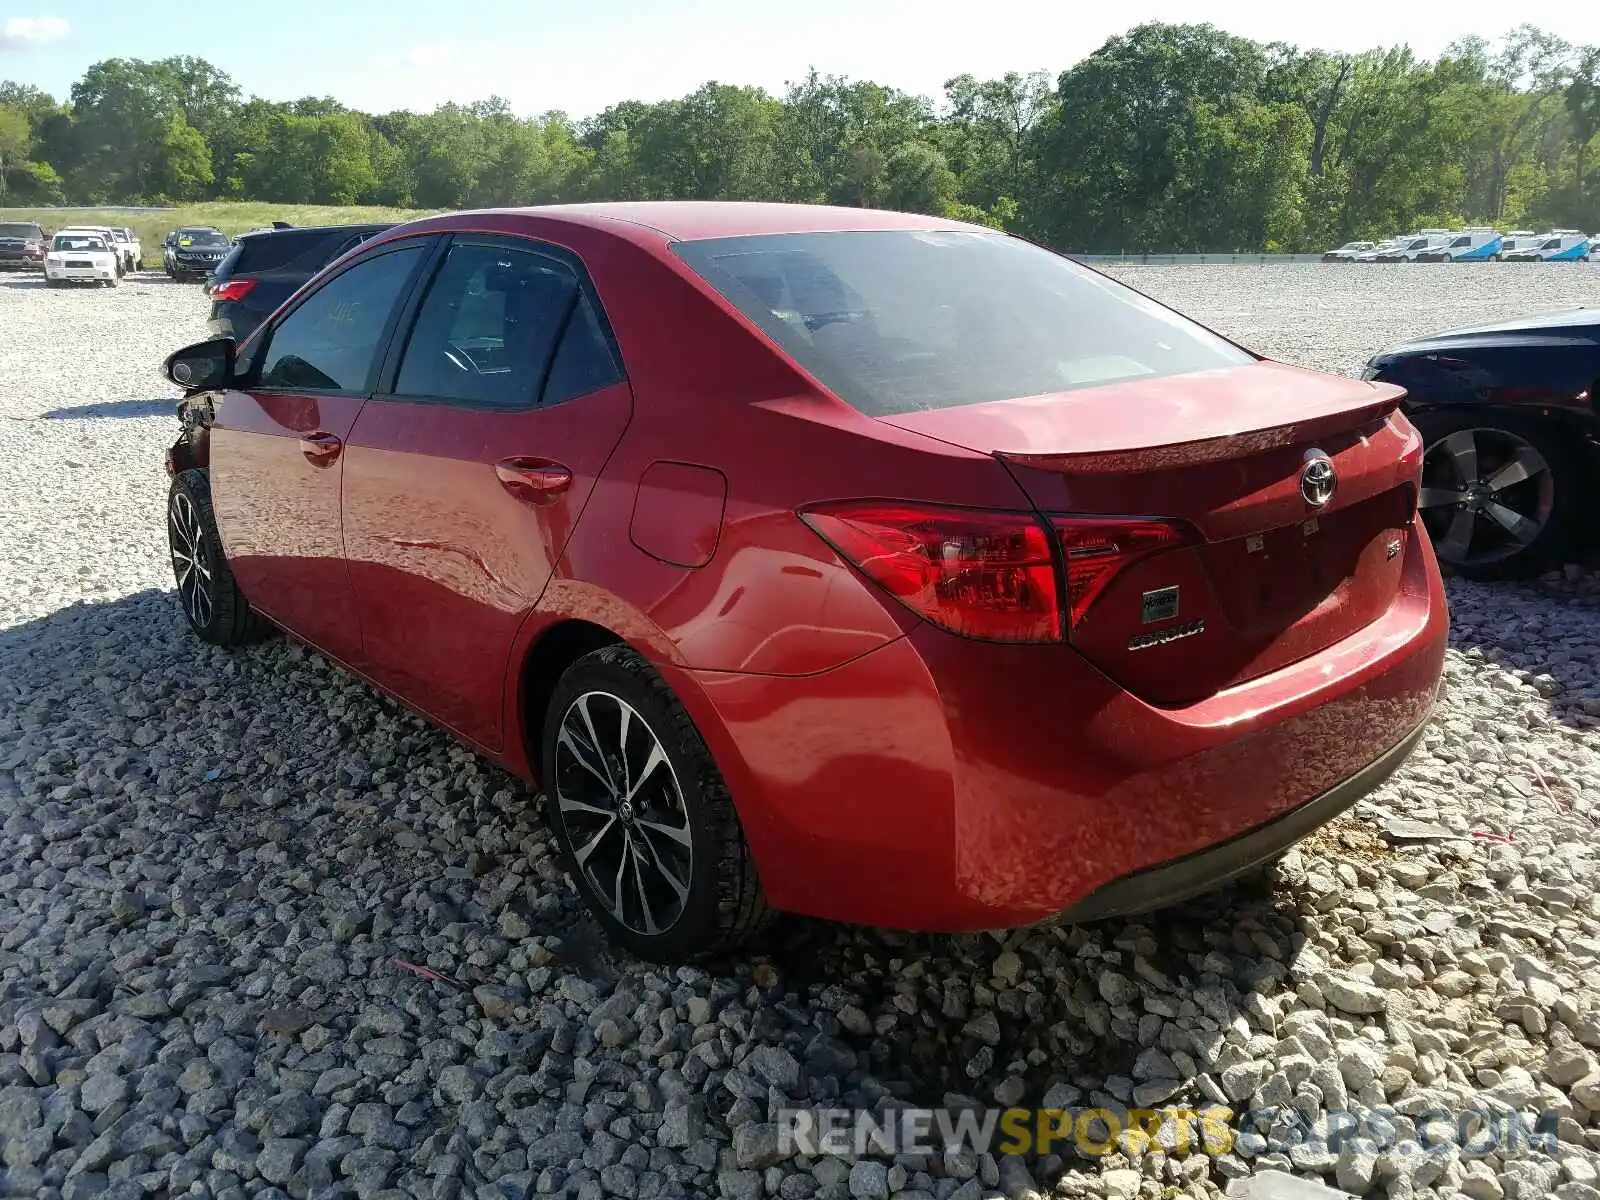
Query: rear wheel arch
x,y
541,668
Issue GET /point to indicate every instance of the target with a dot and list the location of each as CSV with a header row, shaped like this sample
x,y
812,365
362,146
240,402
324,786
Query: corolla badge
x,y
1318,479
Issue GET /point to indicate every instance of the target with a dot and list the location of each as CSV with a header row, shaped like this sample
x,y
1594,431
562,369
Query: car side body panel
x,y
278,511
444,561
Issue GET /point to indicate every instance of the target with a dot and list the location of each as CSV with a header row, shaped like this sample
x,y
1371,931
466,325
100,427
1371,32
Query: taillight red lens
x,y
1097,549
988,575
234,289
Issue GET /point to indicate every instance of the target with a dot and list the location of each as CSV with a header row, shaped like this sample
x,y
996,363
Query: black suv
x,y
22,244
266,268
193,251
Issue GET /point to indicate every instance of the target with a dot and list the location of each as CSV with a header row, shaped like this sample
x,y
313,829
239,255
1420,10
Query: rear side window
x,y
488,327
330,342
900,321
584,361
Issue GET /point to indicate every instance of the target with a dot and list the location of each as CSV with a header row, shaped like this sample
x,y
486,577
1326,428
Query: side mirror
x,y
202,366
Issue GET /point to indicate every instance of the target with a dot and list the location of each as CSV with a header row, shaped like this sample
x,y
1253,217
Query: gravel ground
x,y
212,862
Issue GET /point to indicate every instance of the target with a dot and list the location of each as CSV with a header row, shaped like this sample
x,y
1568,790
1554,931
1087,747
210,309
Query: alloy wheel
x,y
623,812
1487,495
190,562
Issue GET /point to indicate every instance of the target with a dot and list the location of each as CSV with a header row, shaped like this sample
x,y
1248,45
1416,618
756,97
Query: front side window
x,y
900,321
1461,241
330,342
486,331
1552,244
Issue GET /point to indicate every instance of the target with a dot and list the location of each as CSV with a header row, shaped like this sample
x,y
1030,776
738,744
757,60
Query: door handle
x,y
321,449
533,480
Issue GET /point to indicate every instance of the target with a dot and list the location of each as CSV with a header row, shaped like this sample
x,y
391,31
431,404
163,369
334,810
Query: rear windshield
x,y
10,230
269,251
899,321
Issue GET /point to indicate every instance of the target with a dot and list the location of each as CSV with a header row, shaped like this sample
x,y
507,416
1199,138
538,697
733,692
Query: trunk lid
x,y
1267,577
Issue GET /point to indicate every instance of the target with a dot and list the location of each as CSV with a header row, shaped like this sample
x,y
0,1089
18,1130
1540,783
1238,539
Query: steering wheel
x,y
460,359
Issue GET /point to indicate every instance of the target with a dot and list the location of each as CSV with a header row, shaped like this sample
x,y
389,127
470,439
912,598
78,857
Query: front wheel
x,y
212,603
1498,493
641,814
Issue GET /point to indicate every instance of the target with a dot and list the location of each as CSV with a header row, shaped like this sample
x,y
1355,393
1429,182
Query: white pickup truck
x,y
129,247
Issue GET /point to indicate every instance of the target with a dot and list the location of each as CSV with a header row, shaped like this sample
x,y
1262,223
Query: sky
x,y
582,55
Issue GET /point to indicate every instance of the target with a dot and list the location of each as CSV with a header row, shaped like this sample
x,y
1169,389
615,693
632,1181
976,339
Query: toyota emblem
x,y
1318,479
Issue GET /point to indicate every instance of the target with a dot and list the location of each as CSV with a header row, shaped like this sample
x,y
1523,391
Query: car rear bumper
x,y
945,784
1194,874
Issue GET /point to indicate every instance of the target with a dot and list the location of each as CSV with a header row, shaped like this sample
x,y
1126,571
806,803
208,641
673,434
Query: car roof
x,y
692,220
360,227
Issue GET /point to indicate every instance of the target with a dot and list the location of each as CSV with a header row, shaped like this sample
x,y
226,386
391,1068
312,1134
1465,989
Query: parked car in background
x,y
1468,245
194,251
1515,239
1412,247
790,548
105,234
264,269
23,245
129,247
1347,252
1508,413
1383,247
1559,245
83,256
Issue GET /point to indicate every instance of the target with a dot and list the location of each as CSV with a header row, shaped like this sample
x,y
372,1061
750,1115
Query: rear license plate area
x,y
1270,579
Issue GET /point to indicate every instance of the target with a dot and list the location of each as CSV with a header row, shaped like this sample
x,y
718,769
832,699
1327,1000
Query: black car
x,y
1511,437
266,268
193,251
23,244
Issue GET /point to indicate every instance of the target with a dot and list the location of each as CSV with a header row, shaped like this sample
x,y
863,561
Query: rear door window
x,y
488,327
897,321
331,340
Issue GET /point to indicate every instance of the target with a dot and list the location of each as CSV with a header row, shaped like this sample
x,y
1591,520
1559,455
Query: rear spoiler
x,y
1162,456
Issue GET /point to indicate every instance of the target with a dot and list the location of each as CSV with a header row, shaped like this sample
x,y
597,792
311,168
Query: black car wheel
x,y
644,821
212,603
1497,494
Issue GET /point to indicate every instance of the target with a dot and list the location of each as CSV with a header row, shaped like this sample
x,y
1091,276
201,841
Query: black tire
x,y
1556,491
210,598
721,904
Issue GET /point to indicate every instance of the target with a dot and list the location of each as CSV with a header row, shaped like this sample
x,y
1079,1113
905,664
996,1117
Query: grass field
x,y
232,217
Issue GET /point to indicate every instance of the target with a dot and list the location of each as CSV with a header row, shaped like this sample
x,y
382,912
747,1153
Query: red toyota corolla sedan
x,y
871,566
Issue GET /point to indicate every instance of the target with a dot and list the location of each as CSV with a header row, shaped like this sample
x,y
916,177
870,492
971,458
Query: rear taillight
x,y
234,289
1098,549
989,575
992,575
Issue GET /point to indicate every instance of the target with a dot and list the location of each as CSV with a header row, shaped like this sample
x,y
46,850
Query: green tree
x,y
918,179
313,160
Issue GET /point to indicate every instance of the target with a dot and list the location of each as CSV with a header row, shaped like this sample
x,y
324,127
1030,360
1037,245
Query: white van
x,y
1559,245
1466,245
1408,250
